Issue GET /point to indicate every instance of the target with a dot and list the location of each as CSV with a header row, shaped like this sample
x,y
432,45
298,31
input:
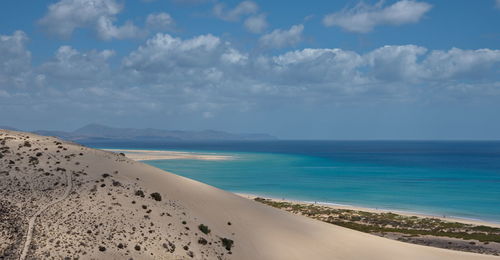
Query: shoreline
x,y
165,211
375,210
151,155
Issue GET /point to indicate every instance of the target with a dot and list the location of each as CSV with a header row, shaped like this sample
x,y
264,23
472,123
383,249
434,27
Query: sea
x,y
441,178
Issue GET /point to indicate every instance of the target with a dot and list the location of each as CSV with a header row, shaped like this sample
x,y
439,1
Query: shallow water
x,y
460,179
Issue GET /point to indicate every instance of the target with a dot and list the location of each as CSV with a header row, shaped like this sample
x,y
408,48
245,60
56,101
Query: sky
x,y
312,69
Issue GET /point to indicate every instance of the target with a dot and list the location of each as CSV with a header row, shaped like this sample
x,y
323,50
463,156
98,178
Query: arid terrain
x,y
60,200
83,208
428,231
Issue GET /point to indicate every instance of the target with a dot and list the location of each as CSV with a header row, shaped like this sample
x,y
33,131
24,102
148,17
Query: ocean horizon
x,y
440,178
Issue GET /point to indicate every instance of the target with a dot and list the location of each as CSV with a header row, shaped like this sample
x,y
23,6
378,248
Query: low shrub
x,y
139,193
204,229
156,196
227,243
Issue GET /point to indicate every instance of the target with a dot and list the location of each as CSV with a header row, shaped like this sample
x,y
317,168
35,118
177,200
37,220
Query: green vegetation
x,y
227,243
156,196
139,193
370,222
204,229
202,241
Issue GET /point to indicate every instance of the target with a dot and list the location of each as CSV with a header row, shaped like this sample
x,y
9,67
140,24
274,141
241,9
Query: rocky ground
x,y
89,210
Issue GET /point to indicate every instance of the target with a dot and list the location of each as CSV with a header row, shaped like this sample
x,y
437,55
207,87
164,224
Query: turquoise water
x,y
460,180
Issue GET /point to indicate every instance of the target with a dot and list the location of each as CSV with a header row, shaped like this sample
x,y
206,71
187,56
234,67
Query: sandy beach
x,y
375,210
60,199
145,155
149,155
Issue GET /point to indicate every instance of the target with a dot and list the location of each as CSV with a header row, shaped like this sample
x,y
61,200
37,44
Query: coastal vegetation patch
x,y
412,229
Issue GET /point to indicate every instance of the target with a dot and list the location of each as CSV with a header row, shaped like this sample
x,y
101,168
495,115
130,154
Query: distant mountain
x,y
94,132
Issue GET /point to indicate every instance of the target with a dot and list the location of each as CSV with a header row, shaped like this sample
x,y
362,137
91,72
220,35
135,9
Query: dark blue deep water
x,y
455,178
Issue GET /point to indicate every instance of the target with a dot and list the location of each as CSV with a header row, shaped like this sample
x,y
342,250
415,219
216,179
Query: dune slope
x,y
62,200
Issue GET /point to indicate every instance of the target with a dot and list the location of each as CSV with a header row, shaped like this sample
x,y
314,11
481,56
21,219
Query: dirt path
x,y
32,220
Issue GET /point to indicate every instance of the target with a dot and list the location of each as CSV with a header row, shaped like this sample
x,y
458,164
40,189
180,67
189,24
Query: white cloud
x,y
69,64
14,54
282,38
417,64
106,30
393,63
256,23
232,56
318,65
15,60
457,63
210,68
363,17
65,16
242,9
168,55
498,4
205,75
160,21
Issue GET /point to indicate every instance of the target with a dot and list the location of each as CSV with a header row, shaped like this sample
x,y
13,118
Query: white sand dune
x,y
105,217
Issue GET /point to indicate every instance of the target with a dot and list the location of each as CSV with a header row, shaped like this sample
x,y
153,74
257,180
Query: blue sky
x,y
296,69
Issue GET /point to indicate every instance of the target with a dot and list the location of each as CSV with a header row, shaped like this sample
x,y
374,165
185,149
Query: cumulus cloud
x,y
14,56
68,64
65,16
282,38
206,62
313,66
192,70
364,18
205,75
160,21
415,63
235,14
232,56
164,53
458,64
395,62
15,61
106,30
256,23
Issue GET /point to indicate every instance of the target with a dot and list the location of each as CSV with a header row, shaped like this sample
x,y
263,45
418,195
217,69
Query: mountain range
x,y
97,132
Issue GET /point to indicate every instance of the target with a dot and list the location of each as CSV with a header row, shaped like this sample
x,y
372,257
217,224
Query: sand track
x,y
32,220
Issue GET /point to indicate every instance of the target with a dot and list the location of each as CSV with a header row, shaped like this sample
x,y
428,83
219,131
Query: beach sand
x,y
95,204
149,155
145,155
376,210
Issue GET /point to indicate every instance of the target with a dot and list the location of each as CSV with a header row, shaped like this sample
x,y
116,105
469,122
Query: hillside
x,y
61,200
